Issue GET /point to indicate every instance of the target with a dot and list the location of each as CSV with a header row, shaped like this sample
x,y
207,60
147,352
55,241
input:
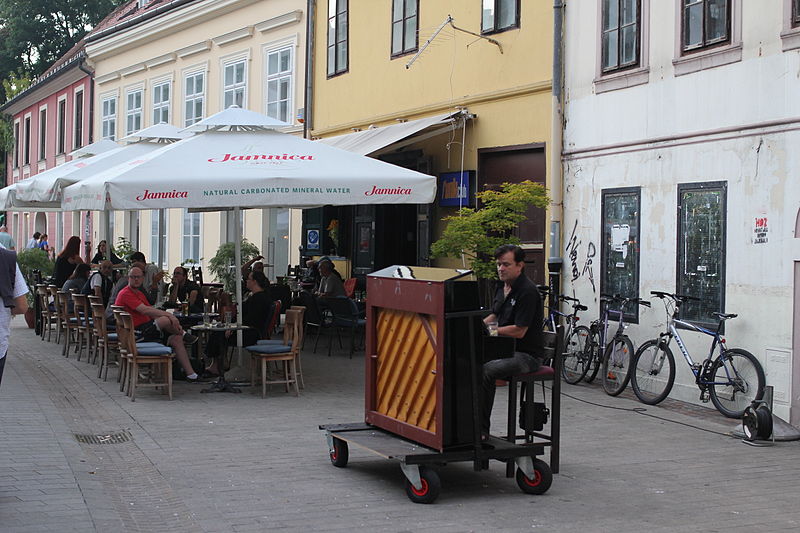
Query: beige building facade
x,y
179,63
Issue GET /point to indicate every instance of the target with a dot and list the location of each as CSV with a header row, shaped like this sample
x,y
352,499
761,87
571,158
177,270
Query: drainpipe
x,y
90,73
556,145
309,91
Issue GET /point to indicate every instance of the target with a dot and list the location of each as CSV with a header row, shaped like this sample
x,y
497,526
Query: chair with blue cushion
x,y
286,341
151,358
286,355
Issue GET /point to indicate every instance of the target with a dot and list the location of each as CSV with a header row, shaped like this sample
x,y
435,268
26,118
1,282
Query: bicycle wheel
x,y
737,379
617,365
653,372
575,362
595,355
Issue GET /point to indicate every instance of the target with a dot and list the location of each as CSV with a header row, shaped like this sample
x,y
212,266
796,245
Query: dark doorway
x,y
514,164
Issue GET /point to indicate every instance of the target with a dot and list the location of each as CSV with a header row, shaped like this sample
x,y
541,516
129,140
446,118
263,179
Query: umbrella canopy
x,y
44,189
97,147
261,168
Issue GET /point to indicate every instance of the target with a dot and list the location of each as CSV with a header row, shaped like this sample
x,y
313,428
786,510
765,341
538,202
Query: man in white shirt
x,y
14,300
34,242
6,239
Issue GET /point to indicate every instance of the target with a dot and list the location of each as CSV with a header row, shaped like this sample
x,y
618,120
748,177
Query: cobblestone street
x,y
236,462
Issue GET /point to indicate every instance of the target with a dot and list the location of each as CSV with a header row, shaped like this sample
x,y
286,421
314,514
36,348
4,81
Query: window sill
x,y
41,165
791,39
621,80
60,159
714,57
500,30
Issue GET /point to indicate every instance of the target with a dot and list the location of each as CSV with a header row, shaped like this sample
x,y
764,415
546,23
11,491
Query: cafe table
x,y
221,385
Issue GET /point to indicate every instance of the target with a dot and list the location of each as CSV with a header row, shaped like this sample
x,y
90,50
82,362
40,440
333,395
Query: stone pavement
x,y
235,462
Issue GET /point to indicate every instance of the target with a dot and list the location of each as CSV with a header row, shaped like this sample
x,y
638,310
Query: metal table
x,y
221,385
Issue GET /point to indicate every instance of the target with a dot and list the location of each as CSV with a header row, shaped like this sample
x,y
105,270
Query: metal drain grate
x,y
113,438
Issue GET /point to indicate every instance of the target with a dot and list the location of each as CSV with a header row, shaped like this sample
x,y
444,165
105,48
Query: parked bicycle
x,y
573,367
732,380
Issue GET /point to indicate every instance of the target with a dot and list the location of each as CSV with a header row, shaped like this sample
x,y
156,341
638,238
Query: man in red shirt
x,y
152,322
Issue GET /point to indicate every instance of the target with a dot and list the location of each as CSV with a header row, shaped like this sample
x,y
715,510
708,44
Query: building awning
x,y
373,140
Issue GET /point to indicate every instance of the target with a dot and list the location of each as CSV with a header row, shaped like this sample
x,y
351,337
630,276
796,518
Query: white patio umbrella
x,y
238,160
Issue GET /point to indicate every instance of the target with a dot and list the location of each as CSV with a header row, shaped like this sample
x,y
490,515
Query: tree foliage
x,y
476,233
35,33
222,264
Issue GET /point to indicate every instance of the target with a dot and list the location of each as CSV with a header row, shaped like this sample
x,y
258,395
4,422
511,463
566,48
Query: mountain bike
x,y
732,380
573,366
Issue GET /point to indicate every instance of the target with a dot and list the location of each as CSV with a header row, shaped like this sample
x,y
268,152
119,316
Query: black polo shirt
x,y
523,308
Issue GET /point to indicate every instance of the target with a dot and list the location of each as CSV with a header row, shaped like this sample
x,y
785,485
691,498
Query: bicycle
x,y
732,380
573,361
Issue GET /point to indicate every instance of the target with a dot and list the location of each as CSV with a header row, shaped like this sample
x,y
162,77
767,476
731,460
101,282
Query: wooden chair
x,y
553,346
69,326
156,361
286,341
48,315
53,290
104,341
284,354
80,313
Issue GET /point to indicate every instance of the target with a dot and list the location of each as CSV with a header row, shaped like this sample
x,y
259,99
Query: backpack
x,y
87,287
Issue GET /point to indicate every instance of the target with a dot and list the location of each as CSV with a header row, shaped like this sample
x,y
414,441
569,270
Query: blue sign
x,y
454,189
312,239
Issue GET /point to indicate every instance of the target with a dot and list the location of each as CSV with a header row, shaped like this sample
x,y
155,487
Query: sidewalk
x,y
235,462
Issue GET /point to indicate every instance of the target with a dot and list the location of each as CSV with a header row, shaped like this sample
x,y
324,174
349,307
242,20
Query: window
x,y
620,40
280,72
404,26
161,97
235,80
108,118
61,139
701,249
705,23
195,97
16,145
26,153
77,139
191,235
619,254
133,111
42,133
337,37
795,13
158,233
499,15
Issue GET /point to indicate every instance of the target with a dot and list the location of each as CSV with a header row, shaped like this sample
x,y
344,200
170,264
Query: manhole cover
x,y
113,438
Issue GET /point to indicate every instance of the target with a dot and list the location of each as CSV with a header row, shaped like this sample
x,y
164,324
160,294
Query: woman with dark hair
x,y
78,278
103,254
43,244
67,260
256,313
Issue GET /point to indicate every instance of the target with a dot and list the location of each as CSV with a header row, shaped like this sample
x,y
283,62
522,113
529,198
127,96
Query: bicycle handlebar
x,y
676,297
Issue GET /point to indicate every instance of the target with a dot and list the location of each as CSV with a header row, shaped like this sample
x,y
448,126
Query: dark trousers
x,y
2,366
217,340
519,363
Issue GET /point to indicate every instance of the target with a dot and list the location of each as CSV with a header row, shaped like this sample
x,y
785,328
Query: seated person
x,y
99,283
330,283
104,254
256,313
154,284
121,283
152,322
78,278
183,289
517,309
254,265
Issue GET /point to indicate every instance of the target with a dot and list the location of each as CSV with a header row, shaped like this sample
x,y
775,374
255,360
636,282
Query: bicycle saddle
x,y
580,307
724,316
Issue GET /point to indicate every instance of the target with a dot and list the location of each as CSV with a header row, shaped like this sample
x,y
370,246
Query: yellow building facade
x,y
386,63
157,63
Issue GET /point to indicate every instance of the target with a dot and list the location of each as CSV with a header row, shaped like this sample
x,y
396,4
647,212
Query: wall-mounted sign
x,y
455,189
312,239
760,230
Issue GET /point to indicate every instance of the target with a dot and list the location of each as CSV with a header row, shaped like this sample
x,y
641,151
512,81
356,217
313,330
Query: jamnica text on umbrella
x,y
395,190
154,195
229,157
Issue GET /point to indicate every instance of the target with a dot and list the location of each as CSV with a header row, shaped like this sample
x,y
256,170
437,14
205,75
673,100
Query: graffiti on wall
x,y
573,252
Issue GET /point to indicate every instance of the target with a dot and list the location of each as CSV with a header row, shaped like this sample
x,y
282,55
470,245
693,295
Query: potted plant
x,y
222,265
29,260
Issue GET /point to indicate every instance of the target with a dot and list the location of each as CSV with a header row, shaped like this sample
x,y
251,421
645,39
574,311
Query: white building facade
x,y
680,171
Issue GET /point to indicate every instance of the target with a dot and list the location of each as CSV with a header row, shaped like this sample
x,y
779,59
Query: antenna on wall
x,y
449,21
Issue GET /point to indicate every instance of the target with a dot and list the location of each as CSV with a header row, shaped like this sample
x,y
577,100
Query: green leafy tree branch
x,y
476,233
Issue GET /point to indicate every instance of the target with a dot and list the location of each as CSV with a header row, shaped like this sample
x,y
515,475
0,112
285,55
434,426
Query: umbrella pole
x,y
237,254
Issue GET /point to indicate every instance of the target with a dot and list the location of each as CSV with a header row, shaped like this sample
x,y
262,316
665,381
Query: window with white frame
x,y
620,34
108,117
795,13
133,111
337,37
194,97
158,234
61,133
42,133
15,158
26,153
280,74
234,82
191,235
705,23
77,137
499,15
161,101
405,21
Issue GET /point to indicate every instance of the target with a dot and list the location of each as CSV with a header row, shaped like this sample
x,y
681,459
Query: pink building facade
x,y
50,120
